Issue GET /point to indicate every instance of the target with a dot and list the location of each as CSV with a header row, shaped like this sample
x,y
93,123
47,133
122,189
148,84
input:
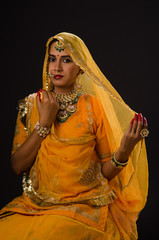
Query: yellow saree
x,y
65,194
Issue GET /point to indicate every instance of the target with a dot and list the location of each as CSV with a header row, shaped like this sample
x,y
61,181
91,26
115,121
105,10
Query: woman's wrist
x,y
44,123
118,164
42,131
122,155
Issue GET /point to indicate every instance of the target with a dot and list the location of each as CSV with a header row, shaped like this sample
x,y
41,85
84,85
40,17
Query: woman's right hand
x,y
47,107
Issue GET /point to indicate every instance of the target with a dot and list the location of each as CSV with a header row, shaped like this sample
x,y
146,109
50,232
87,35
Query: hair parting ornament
x,y
59,46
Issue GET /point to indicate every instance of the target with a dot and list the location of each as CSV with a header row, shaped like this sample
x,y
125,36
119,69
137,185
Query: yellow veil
x,y
133,179
130,185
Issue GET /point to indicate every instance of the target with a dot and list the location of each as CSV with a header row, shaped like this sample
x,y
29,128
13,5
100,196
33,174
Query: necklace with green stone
x,y
67,104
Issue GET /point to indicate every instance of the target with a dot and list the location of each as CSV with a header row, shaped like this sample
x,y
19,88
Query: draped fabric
x,y
66,182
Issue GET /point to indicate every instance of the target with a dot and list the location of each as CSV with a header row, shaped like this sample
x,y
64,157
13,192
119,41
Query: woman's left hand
x,y
131,137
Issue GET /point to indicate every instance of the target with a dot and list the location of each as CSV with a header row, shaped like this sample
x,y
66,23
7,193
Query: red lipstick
x,y
58,76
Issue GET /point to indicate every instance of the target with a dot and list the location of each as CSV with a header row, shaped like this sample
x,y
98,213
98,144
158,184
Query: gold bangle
x,y
42,131
118,164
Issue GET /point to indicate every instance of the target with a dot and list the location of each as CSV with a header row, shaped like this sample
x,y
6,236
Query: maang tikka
x,y
59,46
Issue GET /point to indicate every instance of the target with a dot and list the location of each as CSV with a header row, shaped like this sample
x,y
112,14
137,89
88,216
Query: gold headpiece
x,y
59,46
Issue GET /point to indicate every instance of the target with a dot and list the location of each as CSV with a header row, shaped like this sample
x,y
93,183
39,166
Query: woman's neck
x,y
64,90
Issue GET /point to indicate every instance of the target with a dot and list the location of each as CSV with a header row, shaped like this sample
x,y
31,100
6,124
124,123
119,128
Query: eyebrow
x,y
52,55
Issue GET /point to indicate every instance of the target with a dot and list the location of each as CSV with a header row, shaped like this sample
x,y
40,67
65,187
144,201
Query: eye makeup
x,y
64,58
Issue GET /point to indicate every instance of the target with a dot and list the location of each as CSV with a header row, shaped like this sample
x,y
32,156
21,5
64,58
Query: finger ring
x,y
144,132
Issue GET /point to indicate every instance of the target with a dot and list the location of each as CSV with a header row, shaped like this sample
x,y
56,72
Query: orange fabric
x,y
66,178
60,174
63,173
59,227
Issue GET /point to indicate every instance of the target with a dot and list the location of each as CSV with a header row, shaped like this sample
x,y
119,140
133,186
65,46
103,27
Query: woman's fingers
x,y
134,125
44,95
137,131
139,125
145,125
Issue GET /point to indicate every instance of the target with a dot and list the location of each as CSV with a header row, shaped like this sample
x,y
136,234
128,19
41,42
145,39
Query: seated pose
x,y
82,154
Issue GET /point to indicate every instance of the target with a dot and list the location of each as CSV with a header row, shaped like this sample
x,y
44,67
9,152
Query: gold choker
x,y
67,104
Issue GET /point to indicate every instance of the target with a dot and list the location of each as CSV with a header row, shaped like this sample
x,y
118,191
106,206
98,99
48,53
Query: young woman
x,y
82,153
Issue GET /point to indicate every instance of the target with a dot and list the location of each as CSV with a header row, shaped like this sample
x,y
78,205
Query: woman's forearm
x,y
25,155
109,170
131,137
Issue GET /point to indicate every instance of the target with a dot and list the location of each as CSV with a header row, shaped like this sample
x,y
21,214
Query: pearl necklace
x,y
67,104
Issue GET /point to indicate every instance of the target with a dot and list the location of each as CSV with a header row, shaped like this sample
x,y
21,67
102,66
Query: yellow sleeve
x,y
20,135
102,145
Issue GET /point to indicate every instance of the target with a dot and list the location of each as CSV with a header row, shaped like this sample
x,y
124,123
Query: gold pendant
x,y
71,108
62,115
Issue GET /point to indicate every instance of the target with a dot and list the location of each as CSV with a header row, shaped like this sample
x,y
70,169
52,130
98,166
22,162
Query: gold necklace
x,y
67,104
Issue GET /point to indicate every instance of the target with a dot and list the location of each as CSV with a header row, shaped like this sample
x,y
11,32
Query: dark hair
x,y
54,40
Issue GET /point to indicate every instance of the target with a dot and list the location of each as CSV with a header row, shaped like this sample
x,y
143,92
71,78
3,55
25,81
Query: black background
x,y
124,41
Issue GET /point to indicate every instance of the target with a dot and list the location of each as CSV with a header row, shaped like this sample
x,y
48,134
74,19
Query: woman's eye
x,y
67,60
51,59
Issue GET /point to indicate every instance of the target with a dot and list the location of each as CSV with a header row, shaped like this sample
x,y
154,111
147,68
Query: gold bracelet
x,y
118,164
42,131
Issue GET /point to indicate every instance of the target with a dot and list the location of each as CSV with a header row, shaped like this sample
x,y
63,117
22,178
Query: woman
x,y
82,153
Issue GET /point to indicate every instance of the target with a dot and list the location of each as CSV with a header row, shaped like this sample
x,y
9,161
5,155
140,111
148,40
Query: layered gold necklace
x,y
67,104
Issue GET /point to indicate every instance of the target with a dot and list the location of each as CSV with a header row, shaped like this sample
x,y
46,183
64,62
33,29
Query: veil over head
x,y
116,113
66,183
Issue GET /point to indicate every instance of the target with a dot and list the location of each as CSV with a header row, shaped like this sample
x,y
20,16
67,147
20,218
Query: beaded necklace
x,y
67,104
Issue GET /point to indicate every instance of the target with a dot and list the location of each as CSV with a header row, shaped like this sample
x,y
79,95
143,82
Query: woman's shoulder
x,y
92,101
89,97
24,104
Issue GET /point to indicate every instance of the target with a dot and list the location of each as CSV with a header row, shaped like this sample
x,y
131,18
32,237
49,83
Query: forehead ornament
x,y
59,46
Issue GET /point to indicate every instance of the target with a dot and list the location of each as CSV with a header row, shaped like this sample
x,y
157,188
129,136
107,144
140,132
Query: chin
x,y
61,84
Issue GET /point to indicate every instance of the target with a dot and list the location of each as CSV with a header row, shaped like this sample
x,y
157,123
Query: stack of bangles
x,y
42,131
118,164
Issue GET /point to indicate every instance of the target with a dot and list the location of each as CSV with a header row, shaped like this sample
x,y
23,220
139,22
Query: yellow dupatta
x,y
130,187
132,181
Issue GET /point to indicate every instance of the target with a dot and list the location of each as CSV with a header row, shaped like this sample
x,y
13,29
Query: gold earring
x,y
50,85
78,84
51,89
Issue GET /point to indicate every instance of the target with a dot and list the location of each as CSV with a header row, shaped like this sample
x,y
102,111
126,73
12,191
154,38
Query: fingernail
x,y
145,121
140,117
38,94
132,121
136,117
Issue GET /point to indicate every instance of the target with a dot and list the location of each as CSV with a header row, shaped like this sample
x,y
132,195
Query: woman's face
x,y
65,71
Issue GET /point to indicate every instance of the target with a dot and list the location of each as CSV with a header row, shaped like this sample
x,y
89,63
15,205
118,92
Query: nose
x,y
58,66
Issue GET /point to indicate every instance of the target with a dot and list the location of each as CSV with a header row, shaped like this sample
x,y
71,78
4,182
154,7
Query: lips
x,y
58,76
